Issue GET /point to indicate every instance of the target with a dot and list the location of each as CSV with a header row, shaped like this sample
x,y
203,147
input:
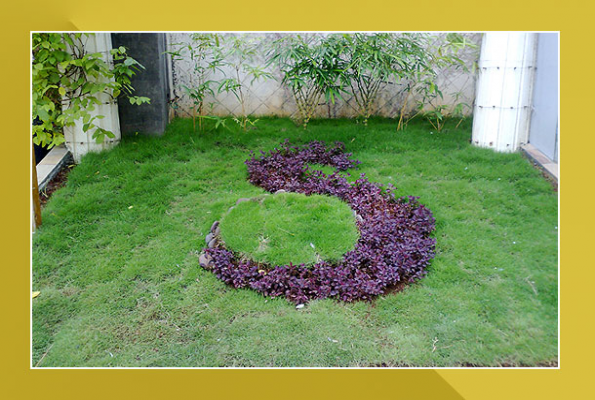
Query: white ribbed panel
x,y
78,142
503,100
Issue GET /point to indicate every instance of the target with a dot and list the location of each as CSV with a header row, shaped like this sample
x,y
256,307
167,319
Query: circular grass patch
x,y
290,227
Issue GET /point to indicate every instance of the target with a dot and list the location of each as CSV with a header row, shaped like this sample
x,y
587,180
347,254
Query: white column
x,y
502,110
78,142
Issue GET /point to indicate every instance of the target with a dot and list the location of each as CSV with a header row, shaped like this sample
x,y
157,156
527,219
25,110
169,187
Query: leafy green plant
x,y
204,52
217,120
240,57
378,59
312,67
440,56
438,114
68,83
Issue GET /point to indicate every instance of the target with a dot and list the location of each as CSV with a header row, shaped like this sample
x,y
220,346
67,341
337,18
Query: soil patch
x,y
56,183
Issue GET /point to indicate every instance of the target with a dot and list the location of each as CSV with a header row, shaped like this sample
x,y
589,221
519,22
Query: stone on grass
x,y
212,243
281,191
205,260
209,237
214,226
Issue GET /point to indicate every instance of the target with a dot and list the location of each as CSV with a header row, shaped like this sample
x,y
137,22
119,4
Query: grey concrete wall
x,y
149,50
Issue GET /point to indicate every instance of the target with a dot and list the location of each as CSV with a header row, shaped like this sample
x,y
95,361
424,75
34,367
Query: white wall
x,y
543,133
78,142
270,98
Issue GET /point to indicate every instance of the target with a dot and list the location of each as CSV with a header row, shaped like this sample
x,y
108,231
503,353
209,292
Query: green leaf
x,y
43,114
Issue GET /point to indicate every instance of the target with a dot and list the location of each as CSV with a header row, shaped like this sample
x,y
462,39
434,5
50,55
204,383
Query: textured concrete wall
x,y
152,81
269,97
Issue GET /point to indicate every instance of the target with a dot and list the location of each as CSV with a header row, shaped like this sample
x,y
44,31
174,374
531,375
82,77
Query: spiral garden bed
x,y
394,246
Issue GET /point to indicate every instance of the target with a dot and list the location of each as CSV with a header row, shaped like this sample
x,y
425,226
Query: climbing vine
x,y
68,83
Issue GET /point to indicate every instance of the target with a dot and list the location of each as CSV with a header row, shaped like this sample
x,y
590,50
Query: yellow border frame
x,y
19,381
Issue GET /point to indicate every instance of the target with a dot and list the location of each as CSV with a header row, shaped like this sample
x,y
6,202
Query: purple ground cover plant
x,y
394,247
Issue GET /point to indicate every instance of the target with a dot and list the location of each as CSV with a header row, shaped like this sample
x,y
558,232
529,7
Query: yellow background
x,y
572,18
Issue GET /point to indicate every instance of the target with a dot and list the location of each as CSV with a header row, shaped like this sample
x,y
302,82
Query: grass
x,y
290,227
116,258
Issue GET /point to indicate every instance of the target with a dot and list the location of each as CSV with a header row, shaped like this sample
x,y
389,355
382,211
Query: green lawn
x,y
290,227
116,259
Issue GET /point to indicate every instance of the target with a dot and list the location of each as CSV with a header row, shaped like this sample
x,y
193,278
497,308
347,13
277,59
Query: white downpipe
x,y
502,111
80,143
